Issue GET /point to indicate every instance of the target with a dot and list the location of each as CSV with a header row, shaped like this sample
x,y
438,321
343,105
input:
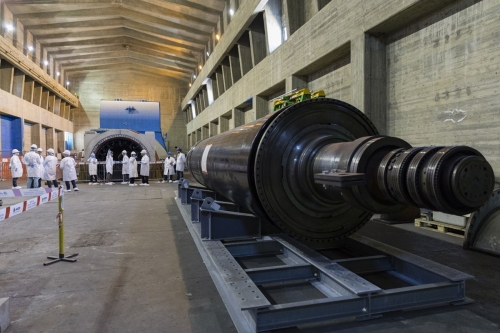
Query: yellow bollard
x,y
60,217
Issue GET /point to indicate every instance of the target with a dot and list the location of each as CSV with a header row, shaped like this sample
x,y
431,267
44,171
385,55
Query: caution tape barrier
x,y
44,195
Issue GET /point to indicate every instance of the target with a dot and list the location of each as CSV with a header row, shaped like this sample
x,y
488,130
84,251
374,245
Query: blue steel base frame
x,y
346,293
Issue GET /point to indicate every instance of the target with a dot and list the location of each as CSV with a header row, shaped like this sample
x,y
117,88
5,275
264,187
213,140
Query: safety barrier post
x,y
60,219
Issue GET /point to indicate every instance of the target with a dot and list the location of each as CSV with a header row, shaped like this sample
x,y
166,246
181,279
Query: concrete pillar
x,y
273,24
36,132
37,94
214,128
257,47
18,34
294,12
245,59
226,74
18,83
60,141
6,76
238,117
57,109
261,106
223,124
62,109
368,78
215,87
220,82
205,97
234,65
68,114
51,102
295,82
44,104
50,140
29,87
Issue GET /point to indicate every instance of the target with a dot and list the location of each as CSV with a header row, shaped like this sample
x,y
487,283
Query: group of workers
x,y
39,168
129,168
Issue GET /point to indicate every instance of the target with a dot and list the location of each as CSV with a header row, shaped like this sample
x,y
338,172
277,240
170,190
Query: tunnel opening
x,y
117,145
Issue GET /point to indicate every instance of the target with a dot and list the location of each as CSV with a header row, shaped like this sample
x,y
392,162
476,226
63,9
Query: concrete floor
x,y
138,270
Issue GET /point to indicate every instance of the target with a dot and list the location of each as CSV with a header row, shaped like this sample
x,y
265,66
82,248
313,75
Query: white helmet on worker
x,y
66,153
50,151
33,147
15,151
132,153
39,150
144,151
124,152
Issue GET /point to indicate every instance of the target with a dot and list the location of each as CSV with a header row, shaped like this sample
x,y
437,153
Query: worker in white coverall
x,y
68,165
49,168
16,168
39,151
145,168
32,161
92,163
132,169
181,162
168,169
109,168
125,167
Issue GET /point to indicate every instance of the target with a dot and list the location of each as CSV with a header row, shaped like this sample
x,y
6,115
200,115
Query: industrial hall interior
x,y
244,166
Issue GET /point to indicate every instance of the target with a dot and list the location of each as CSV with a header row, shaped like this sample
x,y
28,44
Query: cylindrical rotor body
x,y
270,166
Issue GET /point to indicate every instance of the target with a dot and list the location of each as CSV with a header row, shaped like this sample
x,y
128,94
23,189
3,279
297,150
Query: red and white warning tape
x,y
44,195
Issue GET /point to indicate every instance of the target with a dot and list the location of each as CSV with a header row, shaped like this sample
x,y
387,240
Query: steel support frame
x,y
347,294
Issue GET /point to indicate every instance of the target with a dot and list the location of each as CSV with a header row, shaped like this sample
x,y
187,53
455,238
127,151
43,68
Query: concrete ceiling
x,y
166,37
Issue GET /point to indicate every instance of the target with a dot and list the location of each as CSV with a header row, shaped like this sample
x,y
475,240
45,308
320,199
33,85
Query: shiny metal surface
x,y
269,167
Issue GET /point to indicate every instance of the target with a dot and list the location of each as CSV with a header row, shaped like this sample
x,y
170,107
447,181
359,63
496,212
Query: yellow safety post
x,y
60,220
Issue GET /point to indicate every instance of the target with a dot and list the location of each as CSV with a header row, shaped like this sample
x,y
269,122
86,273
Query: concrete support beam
x,y
215,87
60,141
238,117
50,139
257,47
51,103
294,12
29,88
204,132
18,84
36,132
246,63
57,104
220,83
261,106
62,109
223,124
234,65
214,128
37,94
368,78
6,76
226,74
205,98
44,104
273,25
295,82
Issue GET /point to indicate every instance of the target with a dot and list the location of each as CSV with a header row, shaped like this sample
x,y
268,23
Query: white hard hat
x,y
33,147
66,152
50,151
124,152
132,153
40,150
144,151
15,151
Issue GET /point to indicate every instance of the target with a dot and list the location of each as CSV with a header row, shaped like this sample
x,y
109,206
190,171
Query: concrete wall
x,y
424,70
443,82
129,85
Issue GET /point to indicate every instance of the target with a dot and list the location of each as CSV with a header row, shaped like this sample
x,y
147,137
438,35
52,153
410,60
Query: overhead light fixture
x,y
190,85
58,74
9,27
217,37
194,76
231,11
208,54
30,48
67,83
200,67
45,62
